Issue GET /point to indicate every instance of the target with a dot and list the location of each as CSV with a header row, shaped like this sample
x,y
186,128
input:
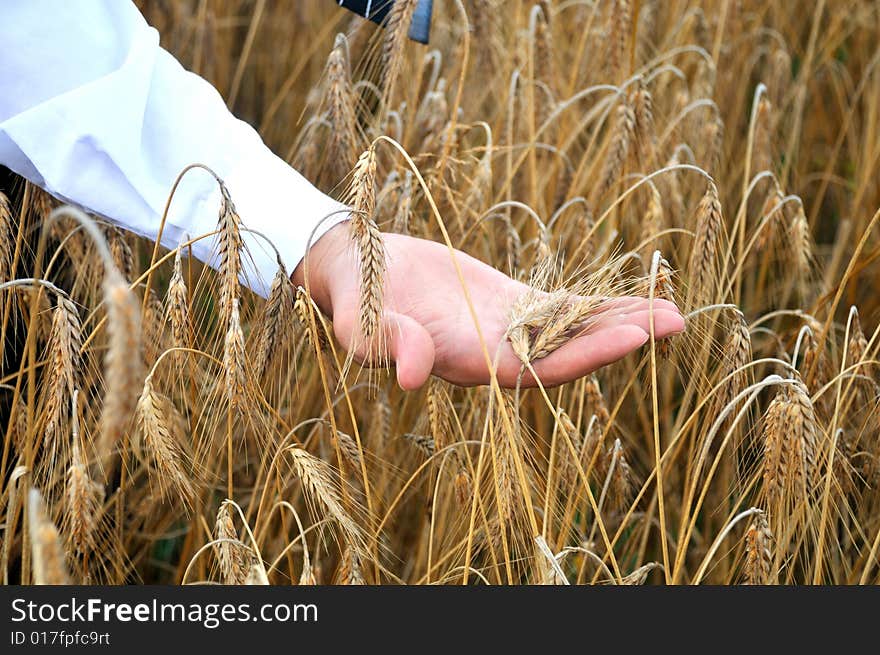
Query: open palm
x,y
428,327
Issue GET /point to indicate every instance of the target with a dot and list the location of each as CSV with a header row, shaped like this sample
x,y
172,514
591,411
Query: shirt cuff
x,y
278,207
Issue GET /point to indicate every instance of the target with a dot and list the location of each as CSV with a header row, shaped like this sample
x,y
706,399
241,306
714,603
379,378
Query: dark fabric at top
x,y
420,28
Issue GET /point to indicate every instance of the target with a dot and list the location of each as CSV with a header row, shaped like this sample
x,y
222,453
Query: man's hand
x,y
429,329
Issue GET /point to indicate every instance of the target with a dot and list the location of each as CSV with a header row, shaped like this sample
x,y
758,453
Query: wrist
x,y
318,265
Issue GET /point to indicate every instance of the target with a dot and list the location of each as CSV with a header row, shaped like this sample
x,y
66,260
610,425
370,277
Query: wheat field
x,y
164,425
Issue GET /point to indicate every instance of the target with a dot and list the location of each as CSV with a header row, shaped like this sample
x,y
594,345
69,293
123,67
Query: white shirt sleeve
x,y
96,113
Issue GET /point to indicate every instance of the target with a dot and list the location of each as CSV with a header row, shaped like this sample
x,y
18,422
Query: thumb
x,y
411,348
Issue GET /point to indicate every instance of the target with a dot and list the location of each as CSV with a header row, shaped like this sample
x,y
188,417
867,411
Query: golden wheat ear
x,y
620,25
664,289
758,566
235,364
735,358
397,26
82,497
552,312
63,378
236,558
123,365
277,321
7,238
47,550
350,572
640,575
371,259
156,423
321,491
229,248
622,137
177,307
123,361
703,267
340,108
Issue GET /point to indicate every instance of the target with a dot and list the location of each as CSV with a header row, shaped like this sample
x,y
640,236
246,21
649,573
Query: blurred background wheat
x,y
162,424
